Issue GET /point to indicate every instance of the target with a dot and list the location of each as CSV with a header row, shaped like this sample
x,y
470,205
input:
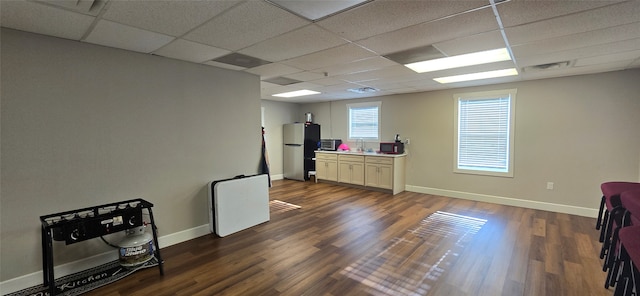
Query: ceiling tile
x,y
608,16
173,18
265,86
342,87
628,56
591,38
302,41
90,7
473,43
315,10
120,36
357,66
43,19
391,71
245,25
328,81
333,56
273,70
190,51
591,35
518,12
451,28
224,65
306,76
575,71
385,16
584,52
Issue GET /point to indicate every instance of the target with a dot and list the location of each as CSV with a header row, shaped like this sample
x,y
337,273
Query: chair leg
x,y
606,245
605,220
635,280
613,274
623,276
599,221
611,253
607,234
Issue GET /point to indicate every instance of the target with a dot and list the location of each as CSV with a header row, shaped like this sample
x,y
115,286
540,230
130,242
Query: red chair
x,y
630,202
610,214
629,279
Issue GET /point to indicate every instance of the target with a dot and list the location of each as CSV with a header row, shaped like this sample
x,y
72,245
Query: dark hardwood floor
x,y
347,241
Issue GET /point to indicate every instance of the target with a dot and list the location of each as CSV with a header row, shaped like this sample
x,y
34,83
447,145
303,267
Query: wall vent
x,y
363,90
547,67
281,80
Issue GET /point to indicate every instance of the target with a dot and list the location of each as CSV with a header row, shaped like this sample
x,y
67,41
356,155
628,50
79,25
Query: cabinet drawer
x,y
379,160
354,158
326,156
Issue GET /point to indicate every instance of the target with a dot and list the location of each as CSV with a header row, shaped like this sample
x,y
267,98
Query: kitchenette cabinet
x,y
370,170
351,169
379,172
327,166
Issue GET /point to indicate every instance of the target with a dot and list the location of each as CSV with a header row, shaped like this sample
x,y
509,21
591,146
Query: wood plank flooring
x,y
347,241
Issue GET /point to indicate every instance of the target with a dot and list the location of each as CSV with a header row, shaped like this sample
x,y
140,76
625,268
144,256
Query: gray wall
x,y
84,125
576,132
275,115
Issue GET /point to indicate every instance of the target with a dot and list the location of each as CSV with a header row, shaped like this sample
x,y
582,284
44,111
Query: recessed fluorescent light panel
x,y
470,59
477,76
297,93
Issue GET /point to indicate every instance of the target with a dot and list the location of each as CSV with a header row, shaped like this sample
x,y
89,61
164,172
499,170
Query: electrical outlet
x,y
550,185
407,141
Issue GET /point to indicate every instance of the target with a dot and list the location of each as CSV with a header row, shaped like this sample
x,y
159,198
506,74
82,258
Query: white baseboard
x,y
33,279
537,205
182,236
277,177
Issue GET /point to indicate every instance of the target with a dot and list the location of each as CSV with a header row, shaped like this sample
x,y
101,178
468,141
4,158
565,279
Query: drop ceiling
x,y
337,52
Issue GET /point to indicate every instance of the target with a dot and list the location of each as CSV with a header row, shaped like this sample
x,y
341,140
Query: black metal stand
x,y
87,223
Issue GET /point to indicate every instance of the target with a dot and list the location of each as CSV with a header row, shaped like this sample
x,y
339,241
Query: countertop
x,y
362,153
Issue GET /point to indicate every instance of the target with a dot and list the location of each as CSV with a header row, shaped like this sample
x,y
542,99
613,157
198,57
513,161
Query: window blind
x,y
363,122
483,134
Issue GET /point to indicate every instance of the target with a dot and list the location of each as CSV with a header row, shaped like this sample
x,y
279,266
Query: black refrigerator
x,y
300,143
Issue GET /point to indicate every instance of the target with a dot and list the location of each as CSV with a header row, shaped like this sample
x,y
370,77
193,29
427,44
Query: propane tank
x,y
136,247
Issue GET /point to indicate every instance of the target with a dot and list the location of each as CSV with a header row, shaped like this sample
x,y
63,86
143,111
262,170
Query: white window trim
x,y
360,105
512,118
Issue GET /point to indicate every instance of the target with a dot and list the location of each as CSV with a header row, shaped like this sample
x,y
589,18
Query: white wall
x,y
576,132
84,125
275,115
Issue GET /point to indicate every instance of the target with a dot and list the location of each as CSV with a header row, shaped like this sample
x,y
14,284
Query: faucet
x,y
361,146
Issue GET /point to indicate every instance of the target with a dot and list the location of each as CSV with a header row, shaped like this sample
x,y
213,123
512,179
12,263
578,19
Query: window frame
x,y
505,93
378,105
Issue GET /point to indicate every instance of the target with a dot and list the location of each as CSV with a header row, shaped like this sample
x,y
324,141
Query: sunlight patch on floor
x,y
278,206
412,263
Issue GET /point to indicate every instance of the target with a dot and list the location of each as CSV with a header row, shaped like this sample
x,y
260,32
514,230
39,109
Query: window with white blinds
x,y
364,120
484,133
